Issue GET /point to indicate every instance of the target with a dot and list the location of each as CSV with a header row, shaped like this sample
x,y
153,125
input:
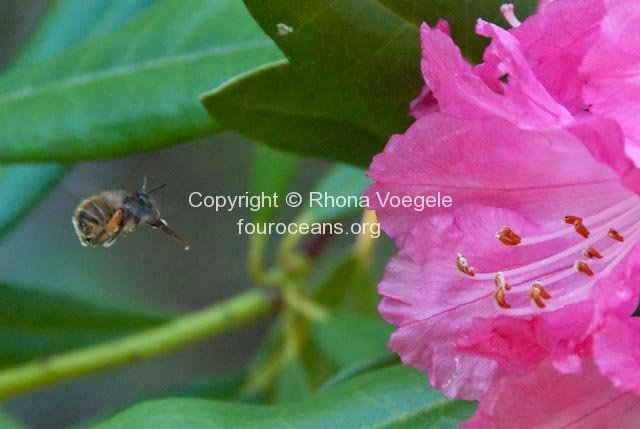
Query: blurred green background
x,y
146,268
340,102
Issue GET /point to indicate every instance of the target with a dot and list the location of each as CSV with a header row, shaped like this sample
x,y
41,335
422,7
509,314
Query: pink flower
x,y
548,399
610,69
535,265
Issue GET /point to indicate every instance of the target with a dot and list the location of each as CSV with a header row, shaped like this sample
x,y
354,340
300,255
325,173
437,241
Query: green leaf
x,y
271,173
220,386
261,370
348,339
216,386
354,68
349,285
275,376
65,24
319,368
340,181
21,186
134,90
360,368
293,382
8,422
274,105
390,398
36,323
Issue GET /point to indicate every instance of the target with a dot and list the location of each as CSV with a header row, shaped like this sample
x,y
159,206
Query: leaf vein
x,y
93,77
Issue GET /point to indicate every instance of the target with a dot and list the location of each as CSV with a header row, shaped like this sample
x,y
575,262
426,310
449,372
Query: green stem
x,y
216,319
299,303
255,259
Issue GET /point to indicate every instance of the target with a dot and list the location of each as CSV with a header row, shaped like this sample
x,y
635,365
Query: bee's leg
x,y
161,224
111,229
129,222
113,226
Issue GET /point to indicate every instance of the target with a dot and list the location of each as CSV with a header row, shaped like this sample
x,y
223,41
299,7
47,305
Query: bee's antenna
x,y
156,188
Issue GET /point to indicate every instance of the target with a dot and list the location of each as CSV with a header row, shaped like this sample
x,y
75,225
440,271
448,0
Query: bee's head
x,y
142,206
143,199
143,195
86,229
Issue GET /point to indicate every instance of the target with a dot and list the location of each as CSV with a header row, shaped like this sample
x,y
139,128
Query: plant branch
x,y
219,318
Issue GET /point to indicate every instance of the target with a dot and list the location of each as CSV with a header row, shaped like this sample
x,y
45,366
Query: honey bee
x,y
103,217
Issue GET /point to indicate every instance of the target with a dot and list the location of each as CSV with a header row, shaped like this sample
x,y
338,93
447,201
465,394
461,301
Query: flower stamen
x,y
538,293
583,267
501,299
500,293
508,237
581,229
591,253
571,220
501,281
615,235
570,267
463,266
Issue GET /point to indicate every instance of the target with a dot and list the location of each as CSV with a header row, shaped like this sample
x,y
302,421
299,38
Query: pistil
x,y
509,14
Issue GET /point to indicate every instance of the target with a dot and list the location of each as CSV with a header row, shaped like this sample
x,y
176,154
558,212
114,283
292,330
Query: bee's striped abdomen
x,y
91,218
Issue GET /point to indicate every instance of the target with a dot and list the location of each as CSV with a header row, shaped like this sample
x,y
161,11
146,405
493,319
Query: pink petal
x,y
424,104
520,344
618,293
489,162
466,93
555,41
611,71
616,349
432,304
605,141
511,342
542,4
524,94
450,77
616,345
565,334
548,399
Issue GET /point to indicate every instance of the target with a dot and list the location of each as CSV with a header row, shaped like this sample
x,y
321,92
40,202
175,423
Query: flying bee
x,y
103,217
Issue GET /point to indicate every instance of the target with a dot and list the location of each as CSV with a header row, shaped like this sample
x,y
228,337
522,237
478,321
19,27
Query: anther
x,y
508,237
500,298
538,293
463,266
509,15
571,220
615,235
591,253
581,229
583,267
501,282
